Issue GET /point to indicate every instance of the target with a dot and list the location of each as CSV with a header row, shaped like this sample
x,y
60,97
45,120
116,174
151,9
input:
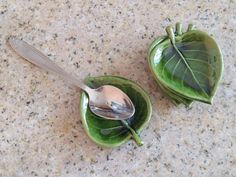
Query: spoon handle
x,y
36,57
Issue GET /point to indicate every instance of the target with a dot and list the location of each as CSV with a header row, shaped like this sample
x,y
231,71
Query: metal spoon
x,y
106,101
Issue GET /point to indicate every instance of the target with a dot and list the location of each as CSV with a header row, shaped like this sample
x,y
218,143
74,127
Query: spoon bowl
x,y
111,103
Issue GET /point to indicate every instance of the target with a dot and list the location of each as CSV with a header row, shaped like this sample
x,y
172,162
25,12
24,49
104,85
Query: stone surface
x,y
40,129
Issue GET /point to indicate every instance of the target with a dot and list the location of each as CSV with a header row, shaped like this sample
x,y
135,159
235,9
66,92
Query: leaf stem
x,y
178,29
171,34
190,27
135,135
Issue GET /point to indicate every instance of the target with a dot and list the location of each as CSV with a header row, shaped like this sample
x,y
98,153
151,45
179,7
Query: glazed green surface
x,y
111,133
187,66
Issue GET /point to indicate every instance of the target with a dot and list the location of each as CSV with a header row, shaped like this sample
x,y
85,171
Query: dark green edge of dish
x,y
84,97
162,38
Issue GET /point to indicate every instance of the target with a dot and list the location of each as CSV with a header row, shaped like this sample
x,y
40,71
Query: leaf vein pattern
x,y
176,66
188,66
167,63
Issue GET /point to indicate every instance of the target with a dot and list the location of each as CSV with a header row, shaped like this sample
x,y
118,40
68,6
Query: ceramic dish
x,y
112,133
187,65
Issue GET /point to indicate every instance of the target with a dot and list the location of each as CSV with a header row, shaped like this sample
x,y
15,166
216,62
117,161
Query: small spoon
x,y
106,101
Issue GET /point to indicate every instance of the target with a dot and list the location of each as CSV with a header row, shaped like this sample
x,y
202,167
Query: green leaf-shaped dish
x,y
188,66
112,133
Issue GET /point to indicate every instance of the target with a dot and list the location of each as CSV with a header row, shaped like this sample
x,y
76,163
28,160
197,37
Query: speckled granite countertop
x,y
40,129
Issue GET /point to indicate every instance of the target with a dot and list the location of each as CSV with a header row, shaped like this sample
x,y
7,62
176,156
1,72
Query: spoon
x,y
106,101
